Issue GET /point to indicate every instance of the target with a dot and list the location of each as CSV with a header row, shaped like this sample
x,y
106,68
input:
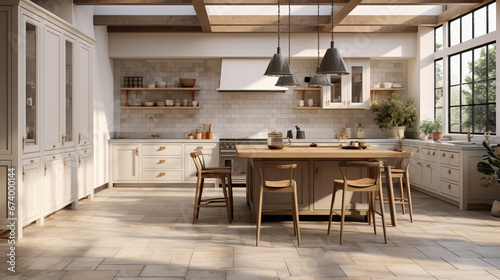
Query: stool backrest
x,y
374,174
199,160
269,168
399,164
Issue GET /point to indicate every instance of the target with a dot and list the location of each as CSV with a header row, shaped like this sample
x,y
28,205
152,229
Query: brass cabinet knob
x,y
161,174
449,171
443,155
449,187
452,156
161,161
161,148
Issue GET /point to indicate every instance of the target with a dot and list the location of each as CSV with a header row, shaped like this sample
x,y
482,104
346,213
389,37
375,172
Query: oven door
x,y
238,166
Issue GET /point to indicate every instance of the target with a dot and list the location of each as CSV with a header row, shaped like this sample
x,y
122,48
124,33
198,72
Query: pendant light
x,y
288,81
319,79
278,66
332,62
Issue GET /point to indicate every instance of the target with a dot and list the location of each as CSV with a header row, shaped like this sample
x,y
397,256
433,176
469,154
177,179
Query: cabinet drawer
x,y
161,163
450,189
450,158
417,152
449,173
31,161
161,175
161,150
206,149
430,155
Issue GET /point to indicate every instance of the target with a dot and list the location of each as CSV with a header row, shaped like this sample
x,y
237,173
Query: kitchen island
x,y
317,167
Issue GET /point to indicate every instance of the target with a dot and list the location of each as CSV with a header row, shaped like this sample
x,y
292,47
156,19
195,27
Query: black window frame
x,y
438,88
487,6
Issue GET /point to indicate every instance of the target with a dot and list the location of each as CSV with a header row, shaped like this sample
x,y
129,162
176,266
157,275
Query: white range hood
x,y
246,74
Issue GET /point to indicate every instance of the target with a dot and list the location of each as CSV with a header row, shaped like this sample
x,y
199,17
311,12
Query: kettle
x,y
275,140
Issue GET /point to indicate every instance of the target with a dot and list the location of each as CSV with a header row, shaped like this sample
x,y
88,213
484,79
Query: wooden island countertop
x,y
334,152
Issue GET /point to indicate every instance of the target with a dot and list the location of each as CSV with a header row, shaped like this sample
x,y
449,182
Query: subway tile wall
x,y
236,114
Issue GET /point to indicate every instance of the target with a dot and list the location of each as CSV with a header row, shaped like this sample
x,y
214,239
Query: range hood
x,y
246,74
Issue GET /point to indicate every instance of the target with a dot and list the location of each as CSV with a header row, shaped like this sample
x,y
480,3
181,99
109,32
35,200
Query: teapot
x,y
275,140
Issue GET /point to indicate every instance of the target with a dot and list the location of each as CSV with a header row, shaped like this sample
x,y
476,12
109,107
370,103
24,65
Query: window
x,y
438,88
472,90
438,38
472,25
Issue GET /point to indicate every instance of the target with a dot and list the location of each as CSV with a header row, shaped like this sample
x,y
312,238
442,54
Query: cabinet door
x,y
52,84
85,178
69,92
210,155
31,190
324,174
5,82
125,162
415,171
84,94
4,179
30,62
68,187
52,180
430,176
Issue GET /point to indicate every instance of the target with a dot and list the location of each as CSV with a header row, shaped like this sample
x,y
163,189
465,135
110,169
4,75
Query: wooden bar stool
x,y
401,171
221,173
371,184
288,185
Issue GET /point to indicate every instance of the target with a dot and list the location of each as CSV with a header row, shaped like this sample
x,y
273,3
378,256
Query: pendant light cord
x,y
289,31
333,17
279,23
318,32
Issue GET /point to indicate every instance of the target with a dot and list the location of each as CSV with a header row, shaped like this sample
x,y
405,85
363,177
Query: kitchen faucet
x,y
469,136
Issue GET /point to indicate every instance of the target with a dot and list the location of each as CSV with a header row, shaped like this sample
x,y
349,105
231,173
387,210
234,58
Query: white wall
x,y
103,104
201,45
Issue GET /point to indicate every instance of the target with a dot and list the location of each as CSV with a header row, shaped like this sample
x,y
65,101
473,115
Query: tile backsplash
x,y
236,114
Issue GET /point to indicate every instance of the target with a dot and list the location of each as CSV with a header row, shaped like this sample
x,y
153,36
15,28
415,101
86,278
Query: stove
x,y
229,156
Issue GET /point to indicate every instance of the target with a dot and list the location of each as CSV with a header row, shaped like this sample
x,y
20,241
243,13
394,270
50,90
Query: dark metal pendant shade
x,y
278,66
319,80
332,63
287,81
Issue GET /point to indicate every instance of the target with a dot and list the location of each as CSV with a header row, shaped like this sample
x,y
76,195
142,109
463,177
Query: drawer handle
x,y
428,153
433,153
23,173
161,161
32,161
449,171
79,138
428,166
199,148
53,157
452,156
418,151
161,174
53,146
443,155
449,187
85,151
161,148
137,151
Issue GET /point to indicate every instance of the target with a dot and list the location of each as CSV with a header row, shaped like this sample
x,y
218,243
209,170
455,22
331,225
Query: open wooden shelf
x,y
160,108
389,90
191,89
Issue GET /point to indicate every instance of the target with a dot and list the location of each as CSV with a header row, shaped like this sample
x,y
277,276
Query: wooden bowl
x,y
275,147
187,82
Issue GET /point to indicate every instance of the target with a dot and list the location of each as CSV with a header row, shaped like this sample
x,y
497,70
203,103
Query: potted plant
x,y
432,126
394,114
490,166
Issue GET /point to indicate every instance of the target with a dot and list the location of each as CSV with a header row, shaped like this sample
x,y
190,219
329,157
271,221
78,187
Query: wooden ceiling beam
x,y
342,14
389,20
153,29
268,20
132,2
263,29
146,20
373,29
202,14
452,12
420,2
275,2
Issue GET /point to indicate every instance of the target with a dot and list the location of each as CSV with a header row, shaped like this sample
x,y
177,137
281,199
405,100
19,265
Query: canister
x,y
348,132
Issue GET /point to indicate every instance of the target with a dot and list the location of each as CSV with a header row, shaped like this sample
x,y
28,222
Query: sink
x,y
461,142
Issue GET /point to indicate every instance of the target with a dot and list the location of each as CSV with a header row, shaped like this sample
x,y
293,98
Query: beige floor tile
x,y
101,252
407,270
43,263
63,251
86,275
164,270
309,267
41,275
206,275
468,263
134,253
252,275
368,270
84,264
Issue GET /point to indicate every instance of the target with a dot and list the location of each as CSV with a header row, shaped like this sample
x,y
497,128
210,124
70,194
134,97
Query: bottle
x,y
360,131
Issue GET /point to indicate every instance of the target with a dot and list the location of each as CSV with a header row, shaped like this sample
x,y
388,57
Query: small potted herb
x,y
433,127
394,114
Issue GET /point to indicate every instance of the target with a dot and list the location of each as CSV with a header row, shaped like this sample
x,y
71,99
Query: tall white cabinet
x,y
48,72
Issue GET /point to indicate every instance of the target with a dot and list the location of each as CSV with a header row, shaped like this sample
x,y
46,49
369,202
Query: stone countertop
x,y
161,140
456,144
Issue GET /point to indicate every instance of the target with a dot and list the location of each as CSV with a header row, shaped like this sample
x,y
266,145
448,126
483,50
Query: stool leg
x,y
382,212
197,198
331,210
259,215
226,198
371,209
408,194
295,207
230,188
342,215
401,193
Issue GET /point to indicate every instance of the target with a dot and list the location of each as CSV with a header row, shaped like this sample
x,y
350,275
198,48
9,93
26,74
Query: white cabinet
x,y
67,189
52,180
84,93
161,162
210,154
125,163
85,174
31,198
349,91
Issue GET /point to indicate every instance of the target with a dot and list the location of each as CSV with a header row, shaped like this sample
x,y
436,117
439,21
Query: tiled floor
x,y
146,233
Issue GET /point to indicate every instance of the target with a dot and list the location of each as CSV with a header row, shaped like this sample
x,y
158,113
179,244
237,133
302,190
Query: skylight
x,y
134,10
399,10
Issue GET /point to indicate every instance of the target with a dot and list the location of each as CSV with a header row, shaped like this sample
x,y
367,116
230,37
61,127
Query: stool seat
x,y
220,172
